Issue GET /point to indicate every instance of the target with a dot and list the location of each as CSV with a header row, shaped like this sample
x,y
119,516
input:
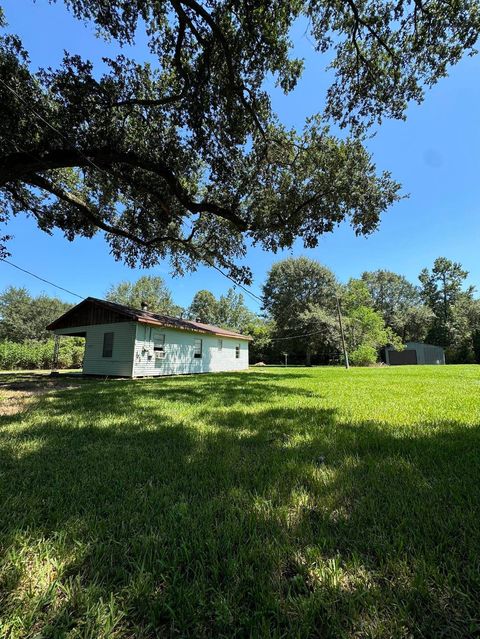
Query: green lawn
x,y
271,503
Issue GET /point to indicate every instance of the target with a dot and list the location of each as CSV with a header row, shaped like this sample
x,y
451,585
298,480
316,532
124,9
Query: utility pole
x,y
340,322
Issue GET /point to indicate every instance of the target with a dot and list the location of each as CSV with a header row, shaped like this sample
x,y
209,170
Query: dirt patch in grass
x,y
19,389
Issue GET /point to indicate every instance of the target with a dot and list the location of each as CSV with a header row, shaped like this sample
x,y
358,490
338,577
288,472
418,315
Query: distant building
x,y
125,342
415,353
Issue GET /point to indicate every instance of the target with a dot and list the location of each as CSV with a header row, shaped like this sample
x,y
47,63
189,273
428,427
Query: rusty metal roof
x,y
146,317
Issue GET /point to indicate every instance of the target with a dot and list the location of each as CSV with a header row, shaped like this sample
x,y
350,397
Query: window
x,y
237,351
220,344
107,344
159,345
197,348
158,341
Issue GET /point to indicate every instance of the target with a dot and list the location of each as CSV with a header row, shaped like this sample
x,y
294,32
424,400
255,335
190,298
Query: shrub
x,y
38,354
364,355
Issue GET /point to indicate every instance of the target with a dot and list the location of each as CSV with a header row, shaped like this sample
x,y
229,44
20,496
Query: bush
x,y
363,356
38,354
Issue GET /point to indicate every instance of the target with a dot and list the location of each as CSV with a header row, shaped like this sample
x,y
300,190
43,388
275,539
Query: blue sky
x,y
434,154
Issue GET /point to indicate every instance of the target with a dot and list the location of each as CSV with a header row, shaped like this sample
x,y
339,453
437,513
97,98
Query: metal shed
x,y
415,353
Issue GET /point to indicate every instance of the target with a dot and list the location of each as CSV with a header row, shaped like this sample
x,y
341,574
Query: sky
x,y
434,155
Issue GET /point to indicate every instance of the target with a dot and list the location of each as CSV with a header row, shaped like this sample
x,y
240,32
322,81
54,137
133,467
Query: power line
x,y
42,279
255,297
98,168
278,339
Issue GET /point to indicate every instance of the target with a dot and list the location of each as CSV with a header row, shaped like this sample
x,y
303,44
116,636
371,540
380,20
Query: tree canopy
x,y
204,307
24,317
391,293
300,312
294,284
184,157
442,289
228,311
299,296
232,311
149,289
400,304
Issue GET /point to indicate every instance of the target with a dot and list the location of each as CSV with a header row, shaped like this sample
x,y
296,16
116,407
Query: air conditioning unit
x,y
159,354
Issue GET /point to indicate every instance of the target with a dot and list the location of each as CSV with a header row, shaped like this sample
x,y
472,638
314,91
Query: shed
x,y
415,353
127,342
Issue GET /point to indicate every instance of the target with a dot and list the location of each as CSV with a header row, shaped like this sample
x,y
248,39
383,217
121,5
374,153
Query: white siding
x,y
121,361
133,354
179,351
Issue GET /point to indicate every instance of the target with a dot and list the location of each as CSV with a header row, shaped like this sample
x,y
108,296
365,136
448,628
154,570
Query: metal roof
x,y
146,317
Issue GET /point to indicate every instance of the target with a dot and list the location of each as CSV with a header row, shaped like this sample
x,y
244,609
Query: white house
x,y
125,342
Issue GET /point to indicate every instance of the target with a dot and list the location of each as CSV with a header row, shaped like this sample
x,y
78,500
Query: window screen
x,y
107,344
237,352
197,348
158,341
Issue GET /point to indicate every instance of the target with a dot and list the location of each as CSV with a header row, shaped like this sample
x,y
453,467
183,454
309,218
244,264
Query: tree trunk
x,y
308,357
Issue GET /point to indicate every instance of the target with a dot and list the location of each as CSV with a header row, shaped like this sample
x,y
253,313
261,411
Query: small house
x,y
415,353
126,342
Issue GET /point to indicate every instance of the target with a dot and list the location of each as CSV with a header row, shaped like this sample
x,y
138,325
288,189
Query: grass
x,y
270,503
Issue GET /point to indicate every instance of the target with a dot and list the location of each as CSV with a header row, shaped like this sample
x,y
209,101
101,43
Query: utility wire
x,y
257,298
278,339
98,168
42,279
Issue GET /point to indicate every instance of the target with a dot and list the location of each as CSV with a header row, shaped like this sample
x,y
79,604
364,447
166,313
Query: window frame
x,y
237,351
197,353
161,346
107,353
220,344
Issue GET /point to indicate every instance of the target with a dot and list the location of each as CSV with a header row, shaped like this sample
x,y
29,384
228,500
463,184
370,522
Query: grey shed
x,y
415,353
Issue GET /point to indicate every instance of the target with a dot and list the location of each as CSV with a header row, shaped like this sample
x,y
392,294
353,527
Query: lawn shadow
x,y
275,522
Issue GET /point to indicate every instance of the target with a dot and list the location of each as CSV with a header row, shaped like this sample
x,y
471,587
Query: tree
x,y
229,311
232,311
150,289
293,287
262,348
15,314
184,158
416,323
321,330
355,294
366,333
464,329
393,296
23,317
400,304
204,307
442,289
474,325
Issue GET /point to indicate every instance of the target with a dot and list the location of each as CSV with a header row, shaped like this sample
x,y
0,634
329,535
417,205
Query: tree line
x,y
380,308
299,312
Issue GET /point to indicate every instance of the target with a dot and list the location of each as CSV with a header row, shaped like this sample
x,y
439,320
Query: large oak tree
x,y
185,158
